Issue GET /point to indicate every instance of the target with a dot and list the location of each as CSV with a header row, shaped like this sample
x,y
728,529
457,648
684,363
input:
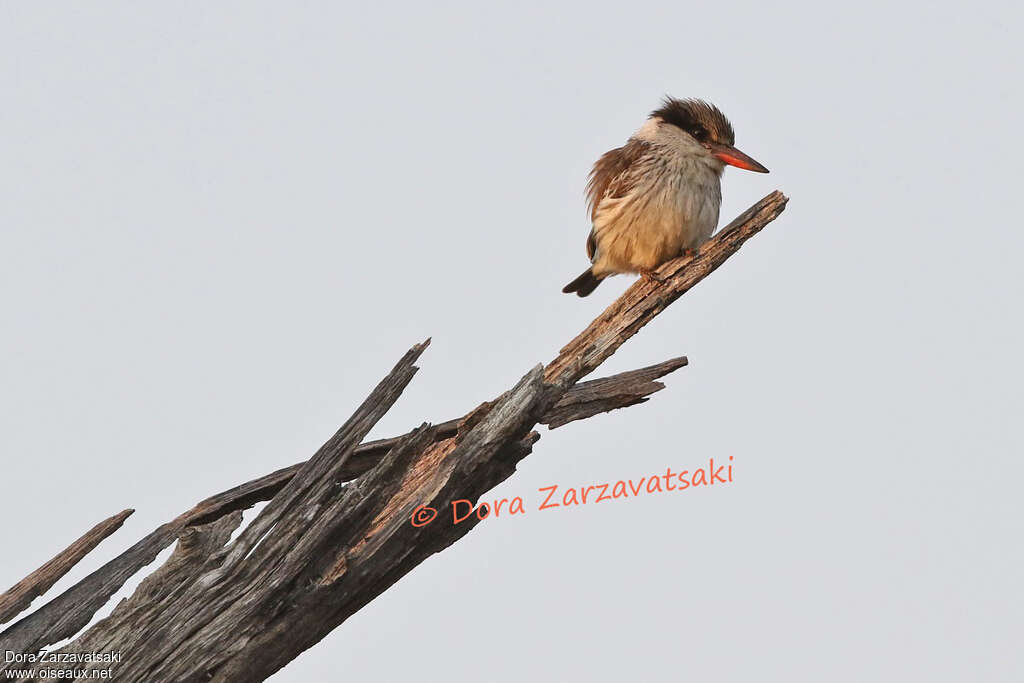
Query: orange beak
x,y
734,157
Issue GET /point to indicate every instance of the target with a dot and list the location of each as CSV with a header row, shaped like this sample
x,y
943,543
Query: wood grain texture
x,y
609,393
338,528
66,614
21,595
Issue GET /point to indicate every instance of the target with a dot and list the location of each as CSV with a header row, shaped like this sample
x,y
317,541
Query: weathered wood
x,y
182,569
319,553
21,594
66,614
380,544
602,395
321,549
583,400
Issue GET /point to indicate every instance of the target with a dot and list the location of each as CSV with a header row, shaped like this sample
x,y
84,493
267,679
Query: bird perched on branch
x,y
657,196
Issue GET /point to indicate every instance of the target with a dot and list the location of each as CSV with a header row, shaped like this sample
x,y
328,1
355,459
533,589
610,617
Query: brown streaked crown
x,y
703,120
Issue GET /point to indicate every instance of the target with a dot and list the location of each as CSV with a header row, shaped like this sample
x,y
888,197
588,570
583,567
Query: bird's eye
x,y
697,133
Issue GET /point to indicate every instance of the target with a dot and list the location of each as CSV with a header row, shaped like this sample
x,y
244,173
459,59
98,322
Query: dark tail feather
x,y
586,283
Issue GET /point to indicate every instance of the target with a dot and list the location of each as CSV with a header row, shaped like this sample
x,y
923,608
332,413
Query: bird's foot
x,y
651,276
690,252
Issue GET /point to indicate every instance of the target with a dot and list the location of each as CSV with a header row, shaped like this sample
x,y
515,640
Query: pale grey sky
x,y
221,224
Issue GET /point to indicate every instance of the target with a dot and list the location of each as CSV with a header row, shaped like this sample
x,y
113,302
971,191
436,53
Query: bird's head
x,y
707,125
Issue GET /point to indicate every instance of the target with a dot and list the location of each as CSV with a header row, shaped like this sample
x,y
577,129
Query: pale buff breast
x,y
674,207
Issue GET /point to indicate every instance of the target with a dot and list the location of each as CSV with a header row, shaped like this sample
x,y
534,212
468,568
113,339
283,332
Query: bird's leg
x,y
689,252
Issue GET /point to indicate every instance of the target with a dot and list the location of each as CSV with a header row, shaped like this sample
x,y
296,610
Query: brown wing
x,y
612,167
610,178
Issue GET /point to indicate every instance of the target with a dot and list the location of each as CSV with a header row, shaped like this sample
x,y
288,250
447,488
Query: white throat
x,y
678,142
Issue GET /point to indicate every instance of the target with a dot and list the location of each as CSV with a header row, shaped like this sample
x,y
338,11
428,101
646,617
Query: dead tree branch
x,y
68,613
21,595
321,549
